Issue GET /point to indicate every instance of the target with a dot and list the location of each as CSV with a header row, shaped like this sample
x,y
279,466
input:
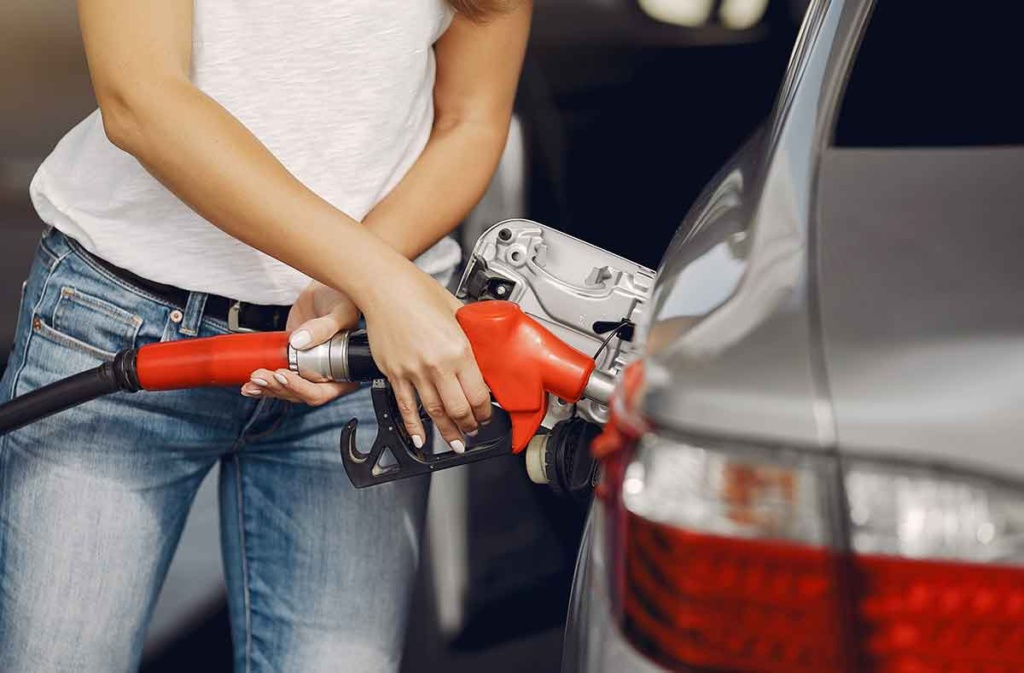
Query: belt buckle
x,y
234,312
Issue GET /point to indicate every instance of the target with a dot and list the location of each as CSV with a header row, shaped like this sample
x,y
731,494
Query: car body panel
x,y
730,345
920,284
593,641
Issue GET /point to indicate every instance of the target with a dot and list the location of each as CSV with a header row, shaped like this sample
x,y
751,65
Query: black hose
x,y
110,377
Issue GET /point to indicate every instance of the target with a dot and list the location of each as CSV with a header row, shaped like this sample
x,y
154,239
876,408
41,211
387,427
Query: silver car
x,y
817,464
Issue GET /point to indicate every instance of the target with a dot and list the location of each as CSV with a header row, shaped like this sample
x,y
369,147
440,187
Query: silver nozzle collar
x,y
599,387
326,362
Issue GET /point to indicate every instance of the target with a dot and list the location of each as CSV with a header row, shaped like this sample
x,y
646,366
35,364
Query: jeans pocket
x,y
89,324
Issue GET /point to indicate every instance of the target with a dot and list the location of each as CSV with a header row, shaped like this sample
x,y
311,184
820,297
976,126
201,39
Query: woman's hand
x,y
417,343
318,314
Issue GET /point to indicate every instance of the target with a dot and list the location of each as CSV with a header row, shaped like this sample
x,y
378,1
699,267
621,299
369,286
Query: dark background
x,y
624,120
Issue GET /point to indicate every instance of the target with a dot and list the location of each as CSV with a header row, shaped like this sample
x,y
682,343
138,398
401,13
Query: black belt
x,y
240,316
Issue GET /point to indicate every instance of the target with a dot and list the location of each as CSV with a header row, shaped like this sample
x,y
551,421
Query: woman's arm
x,y
478,66
139,54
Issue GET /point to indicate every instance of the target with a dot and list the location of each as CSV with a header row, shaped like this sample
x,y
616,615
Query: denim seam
x,y
63,339
18,326
54,258
3,488
28,337
246,593
74,295
245,565
16,376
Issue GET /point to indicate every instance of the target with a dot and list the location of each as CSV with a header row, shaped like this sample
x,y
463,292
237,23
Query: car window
x,y
936,74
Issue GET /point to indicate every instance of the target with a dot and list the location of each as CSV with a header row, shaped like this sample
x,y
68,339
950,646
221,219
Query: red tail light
x,y
738,559
918,616
718,603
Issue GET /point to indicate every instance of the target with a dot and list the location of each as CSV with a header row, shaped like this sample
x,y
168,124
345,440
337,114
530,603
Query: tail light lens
x,y
917,513
939,580
726,558
731,558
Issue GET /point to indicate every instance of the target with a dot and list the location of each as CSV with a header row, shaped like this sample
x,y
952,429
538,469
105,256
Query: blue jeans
x,y
93,500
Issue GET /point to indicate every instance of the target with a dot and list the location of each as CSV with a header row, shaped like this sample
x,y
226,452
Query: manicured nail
x,y
458,446
300,339
417,441
472,434
486,421
262,383
281,379
251,392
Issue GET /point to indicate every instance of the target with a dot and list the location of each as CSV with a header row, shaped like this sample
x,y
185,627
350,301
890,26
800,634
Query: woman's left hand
x,y
319,313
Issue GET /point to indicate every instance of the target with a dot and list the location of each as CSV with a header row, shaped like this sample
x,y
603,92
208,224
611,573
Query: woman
x,y
247,156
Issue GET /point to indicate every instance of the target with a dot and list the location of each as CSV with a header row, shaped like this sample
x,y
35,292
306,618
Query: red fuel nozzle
x,y
521,362
519,359
216,361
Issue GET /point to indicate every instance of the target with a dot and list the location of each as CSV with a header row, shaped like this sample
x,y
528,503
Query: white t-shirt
x,y
340,91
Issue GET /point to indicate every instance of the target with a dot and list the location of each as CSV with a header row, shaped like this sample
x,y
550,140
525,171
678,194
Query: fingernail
x,y
281,379
486,421
472,434
249,392
262,383
300,339
417,441
458,446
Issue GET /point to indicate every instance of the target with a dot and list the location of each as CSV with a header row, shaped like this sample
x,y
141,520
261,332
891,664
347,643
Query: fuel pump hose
x,y
226,360
110,377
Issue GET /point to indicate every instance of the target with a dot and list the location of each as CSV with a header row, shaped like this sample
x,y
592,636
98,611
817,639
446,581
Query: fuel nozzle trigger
x,y
394,456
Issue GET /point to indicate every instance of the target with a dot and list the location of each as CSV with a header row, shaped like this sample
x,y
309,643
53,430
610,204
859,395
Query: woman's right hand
x,y
420,347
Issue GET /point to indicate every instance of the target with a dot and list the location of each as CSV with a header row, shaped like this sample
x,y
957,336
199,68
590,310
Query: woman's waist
x,y
174,260
221,305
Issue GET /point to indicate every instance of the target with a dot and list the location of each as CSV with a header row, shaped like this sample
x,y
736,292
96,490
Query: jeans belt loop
x,y
193,313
